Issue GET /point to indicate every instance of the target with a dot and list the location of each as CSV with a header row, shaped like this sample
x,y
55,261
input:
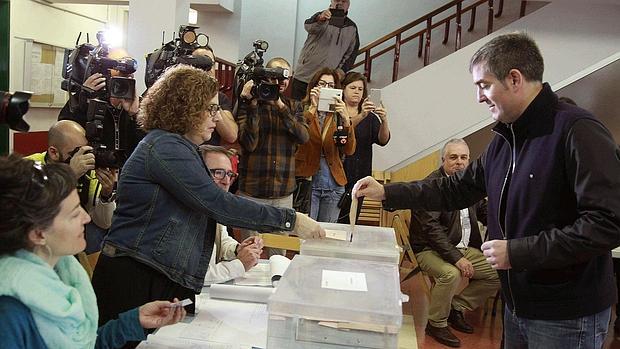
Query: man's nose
x,y
480,94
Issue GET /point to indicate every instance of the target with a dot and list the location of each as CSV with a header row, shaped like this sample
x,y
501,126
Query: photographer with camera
x,y
319,162
96,186
103,96
332,42
269,134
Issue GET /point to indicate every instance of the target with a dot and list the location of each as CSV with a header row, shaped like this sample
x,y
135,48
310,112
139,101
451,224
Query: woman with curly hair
x,y
46,298
163,230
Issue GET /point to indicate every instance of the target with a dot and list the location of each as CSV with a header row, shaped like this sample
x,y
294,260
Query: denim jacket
x,y
167,207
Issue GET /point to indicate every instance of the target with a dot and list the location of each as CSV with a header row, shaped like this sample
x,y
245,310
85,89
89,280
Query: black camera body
x,y
341,136
116,86
86,60
177,51
252,68
97,134
13,106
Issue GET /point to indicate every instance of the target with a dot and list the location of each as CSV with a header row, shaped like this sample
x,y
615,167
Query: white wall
x,y
270,20
437,103
223,29
57,25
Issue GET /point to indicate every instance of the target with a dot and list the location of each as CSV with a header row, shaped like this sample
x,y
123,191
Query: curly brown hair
x,y
177,99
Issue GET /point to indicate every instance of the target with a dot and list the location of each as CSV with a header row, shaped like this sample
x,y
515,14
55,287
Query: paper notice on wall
x,y
343,280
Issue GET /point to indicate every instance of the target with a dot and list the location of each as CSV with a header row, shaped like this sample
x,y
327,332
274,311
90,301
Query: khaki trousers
x,y
447,276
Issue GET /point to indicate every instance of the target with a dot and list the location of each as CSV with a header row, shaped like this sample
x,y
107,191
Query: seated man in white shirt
x,y
229,259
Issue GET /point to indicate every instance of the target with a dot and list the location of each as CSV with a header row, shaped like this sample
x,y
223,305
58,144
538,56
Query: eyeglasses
x,y
220,173
38,179
323,83
213,109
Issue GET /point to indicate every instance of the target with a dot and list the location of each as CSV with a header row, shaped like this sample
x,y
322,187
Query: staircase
x,y
437,103
429,28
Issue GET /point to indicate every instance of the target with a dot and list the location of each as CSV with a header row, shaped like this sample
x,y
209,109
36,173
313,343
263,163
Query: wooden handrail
x,y
425,40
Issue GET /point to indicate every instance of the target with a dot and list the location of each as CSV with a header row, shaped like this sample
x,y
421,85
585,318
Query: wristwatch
x,y
110,198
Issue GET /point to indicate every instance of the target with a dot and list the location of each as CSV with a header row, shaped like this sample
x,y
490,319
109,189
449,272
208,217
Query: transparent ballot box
x,y
364,243
335,303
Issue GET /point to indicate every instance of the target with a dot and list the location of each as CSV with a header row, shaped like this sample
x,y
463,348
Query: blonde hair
x,y
177,99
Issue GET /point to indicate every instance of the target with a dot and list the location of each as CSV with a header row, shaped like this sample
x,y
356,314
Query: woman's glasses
x,y
213,109
220,173
323,83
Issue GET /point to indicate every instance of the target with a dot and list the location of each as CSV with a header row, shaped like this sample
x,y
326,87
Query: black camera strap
x,y
116,116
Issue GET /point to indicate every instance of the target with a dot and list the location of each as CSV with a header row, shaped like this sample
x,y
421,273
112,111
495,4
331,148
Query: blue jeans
x,y
324,205
587,332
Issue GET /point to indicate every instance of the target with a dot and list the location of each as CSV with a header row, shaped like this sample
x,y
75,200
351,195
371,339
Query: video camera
x,y
178,51
98,126
86,60
252,68
102,120
13,106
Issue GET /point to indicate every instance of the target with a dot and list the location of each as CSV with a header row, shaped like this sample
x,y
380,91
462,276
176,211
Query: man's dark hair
x,y
510,51
30,198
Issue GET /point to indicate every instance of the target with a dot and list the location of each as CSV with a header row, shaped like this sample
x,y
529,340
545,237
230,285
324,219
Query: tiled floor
x,y
488,329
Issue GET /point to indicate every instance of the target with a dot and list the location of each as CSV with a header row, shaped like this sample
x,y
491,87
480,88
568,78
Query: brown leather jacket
x,y
308,156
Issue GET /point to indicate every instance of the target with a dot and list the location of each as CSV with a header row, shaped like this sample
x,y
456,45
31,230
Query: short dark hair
x,y
315,80
510,51
354,76
30,198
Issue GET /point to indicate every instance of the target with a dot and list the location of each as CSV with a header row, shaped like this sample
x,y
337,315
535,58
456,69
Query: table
x,y
224,324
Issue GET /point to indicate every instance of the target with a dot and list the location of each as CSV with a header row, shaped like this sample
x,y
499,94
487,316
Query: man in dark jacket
x,y
551,175
447,247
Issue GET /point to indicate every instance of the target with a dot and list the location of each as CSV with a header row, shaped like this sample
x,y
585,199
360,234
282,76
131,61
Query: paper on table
x,y
219,322
264,274
229,322
259,275
342,280
159,342
241,293
278,265
353,214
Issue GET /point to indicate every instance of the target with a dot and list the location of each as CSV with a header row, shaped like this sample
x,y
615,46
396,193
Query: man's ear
x,y
514,79
54,153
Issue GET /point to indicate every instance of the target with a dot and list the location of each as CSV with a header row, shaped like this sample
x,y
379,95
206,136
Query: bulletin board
x,y
43,74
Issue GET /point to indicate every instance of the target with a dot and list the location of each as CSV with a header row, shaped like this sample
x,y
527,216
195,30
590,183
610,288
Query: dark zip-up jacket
x,y
553,184
441,231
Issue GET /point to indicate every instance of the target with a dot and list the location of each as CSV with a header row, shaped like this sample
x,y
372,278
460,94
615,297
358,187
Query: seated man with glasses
x,y
229,259
269,134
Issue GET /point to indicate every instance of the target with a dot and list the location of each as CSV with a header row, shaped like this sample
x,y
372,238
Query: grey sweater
x,y
327,46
